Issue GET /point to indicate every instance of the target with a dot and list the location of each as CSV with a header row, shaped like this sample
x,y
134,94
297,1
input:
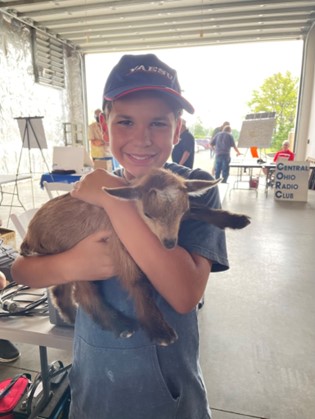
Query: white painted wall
x,y
20,96
305,134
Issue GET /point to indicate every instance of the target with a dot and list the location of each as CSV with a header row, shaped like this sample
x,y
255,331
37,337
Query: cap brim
x,y
117,93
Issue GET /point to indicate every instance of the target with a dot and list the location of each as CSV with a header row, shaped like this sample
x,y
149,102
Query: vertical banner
x,y
291,180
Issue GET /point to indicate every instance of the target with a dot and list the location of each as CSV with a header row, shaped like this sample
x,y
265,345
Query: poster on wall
x,y
291,180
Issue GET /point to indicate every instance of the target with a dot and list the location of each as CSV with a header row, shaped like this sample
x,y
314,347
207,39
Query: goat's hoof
x,y
67,321
242,221
125,334
170,336
126,328
68,318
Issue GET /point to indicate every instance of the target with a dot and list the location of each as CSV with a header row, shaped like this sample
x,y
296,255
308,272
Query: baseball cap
x,y
135,73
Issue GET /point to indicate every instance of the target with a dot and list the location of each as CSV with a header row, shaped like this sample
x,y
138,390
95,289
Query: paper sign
x,y
256,132
32,132
291,180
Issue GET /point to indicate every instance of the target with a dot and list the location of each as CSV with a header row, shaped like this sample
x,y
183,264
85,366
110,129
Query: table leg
x,y
46,393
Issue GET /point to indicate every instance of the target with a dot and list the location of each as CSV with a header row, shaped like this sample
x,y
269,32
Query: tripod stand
x,y
33,136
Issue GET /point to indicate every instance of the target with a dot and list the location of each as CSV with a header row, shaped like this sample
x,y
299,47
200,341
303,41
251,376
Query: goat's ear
x,y
198,187
126,192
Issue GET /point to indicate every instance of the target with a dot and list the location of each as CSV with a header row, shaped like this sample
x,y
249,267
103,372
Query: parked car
x,y
203,142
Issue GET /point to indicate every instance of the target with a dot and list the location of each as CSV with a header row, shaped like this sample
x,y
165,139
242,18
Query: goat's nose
x,y
169,243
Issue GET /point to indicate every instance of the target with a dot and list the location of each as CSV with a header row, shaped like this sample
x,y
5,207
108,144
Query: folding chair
x,y
21,221
57,187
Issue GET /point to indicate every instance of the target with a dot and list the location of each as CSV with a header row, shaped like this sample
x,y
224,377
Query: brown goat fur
x,y
162,198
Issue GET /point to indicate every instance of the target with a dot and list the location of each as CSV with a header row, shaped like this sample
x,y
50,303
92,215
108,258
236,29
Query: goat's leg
x,y
62,299
149,315
88,297
218,217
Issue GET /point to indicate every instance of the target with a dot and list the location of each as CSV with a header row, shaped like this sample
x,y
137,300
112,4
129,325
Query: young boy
x,y
117,378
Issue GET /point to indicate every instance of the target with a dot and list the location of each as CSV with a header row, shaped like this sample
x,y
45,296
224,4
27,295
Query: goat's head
x,y
162,198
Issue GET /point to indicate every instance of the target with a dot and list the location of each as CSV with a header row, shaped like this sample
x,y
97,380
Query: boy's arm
x,y
180,277
177,275
88,260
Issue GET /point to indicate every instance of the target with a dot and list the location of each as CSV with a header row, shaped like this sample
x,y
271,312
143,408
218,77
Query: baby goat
x,y
162,198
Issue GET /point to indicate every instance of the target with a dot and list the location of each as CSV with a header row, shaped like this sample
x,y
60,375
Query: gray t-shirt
x,y
223,142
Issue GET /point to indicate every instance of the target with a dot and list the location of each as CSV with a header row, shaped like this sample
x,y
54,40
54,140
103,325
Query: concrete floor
x,y
258,322
257,327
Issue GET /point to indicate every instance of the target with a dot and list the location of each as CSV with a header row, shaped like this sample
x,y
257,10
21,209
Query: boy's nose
x,y
144,136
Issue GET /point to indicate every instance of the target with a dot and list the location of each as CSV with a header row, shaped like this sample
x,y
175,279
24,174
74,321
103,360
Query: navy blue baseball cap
x,y
135,73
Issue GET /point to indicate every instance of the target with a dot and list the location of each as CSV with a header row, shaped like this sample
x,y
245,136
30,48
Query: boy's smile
x,y
142,130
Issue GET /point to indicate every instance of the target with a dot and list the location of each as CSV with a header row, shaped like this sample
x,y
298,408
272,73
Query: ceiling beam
x,y
190,11
138,46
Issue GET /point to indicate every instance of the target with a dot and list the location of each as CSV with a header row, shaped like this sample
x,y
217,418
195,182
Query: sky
x,y
217,80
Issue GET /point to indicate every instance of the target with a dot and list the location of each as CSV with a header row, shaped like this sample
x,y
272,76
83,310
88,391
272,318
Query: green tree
x,y
198,130
278,93
236,134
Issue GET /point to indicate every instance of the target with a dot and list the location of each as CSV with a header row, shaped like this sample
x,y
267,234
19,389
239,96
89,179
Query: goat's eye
x,y
147,215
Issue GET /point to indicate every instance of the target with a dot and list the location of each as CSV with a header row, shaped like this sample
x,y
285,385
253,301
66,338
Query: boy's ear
x,y
177,131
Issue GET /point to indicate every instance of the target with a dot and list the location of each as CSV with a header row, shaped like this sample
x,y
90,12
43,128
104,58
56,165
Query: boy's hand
x,y
91,259
89,189
88,260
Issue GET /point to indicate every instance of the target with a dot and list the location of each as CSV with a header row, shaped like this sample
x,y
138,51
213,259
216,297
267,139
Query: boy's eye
x,y
125,122
159,124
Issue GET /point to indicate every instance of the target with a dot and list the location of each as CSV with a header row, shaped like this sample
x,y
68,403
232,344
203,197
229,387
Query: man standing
x,y
214,133
222,144
184,151
98,137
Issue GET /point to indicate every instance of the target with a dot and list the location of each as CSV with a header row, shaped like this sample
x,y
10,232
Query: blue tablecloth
x,y
50,177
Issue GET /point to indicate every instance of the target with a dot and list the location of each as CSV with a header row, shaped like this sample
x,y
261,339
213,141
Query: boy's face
x,y
142,130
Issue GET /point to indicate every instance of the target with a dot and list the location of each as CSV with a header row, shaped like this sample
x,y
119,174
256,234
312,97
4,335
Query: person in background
x,y
184,151
115,377
284,153
219,129
222,144
98,137
8,352
214,133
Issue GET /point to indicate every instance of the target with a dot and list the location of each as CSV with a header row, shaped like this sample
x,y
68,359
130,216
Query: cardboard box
x,y
71,158
103,164
8,237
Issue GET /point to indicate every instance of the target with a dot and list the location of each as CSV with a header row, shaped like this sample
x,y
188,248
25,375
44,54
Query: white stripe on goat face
x,y
163,210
